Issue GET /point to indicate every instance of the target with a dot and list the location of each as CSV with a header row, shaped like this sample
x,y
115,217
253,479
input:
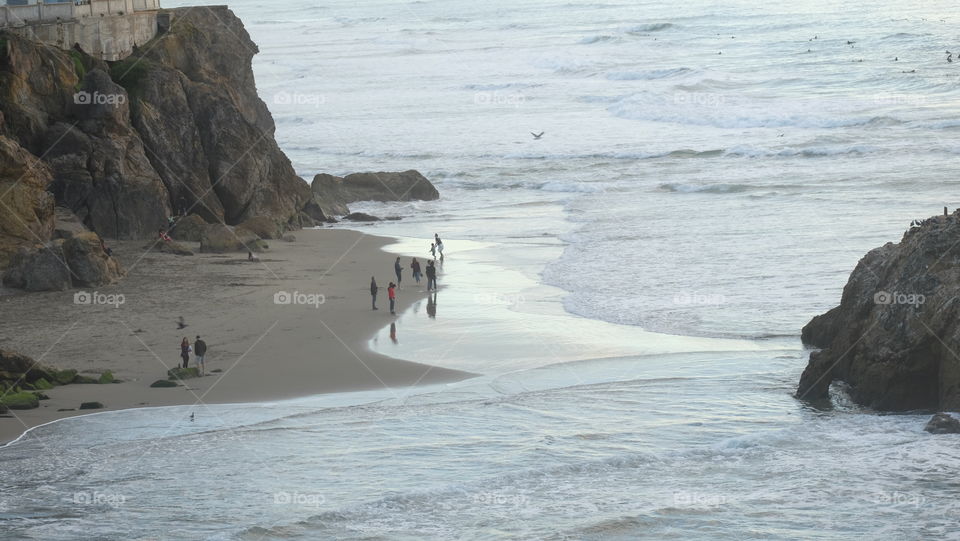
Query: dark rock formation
x,y
91,406
179,125
331,194
263,227
361,217
895,338
26,209
171,247
943,423
188,228
16,369
78,261
161,383
219,238
183,373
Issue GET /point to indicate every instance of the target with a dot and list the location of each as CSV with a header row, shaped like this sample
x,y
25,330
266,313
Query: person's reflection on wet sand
x,y
432,306
393,333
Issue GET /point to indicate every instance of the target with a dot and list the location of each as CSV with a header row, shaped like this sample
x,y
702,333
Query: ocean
x,y
630,286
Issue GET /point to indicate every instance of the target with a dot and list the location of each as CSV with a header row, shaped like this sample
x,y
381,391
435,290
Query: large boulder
x,y
89,265
220,238
405,186
78,261
943,423
894,335
40,268
361,217
67,224
188,228
263,227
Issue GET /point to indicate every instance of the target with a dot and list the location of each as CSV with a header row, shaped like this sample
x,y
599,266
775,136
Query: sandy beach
x,y
264,350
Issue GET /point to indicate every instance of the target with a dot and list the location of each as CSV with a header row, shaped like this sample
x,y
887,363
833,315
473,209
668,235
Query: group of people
x,y
199,349
416,271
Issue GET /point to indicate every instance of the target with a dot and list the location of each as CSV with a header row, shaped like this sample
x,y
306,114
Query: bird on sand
x,y
537,135
180,323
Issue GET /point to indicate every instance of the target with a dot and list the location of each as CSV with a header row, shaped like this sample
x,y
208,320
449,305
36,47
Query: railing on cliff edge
x,y
50,11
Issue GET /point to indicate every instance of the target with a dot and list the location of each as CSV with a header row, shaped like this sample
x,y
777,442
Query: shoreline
x,y
274,352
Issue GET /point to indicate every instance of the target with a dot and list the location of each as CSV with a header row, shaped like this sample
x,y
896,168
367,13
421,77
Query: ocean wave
x,y
647,75
499,86
645,28
571,187
601,38
808,152
709,188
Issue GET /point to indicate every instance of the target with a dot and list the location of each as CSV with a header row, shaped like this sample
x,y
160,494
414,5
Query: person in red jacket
x,y
392,294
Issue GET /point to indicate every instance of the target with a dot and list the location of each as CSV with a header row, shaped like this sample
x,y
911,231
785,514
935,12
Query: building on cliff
x,y
105,29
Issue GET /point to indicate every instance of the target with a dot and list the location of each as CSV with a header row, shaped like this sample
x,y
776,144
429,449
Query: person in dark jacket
x,y
373,291
185,351
398,268
431,276
200,350
417,271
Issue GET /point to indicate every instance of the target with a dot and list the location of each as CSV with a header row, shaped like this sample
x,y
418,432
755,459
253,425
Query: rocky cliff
x,y
176,126
895,337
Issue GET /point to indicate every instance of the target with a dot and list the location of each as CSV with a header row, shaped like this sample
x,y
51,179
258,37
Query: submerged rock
x,y
894,335
943,423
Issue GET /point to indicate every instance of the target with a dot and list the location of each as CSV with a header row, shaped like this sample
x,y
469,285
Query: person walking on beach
x,y
433,250
431,276
415,268
436,238
398,269
200,350
373,291
392,294
185,350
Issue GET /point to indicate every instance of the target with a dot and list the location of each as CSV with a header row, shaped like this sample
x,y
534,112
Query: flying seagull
x,y
537,135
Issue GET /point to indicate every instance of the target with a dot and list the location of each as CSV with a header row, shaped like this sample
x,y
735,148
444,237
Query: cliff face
x,y
177,125
895,338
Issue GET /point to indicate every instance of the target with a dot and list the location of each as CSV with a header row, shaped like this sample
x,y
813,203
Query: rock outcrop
x,y
178,125
78,261
331,194
219,238
895,337
943,423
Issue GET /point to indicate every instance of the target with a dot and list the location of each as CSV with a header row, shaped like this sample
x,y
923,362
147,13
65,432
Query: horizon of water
x,y
630,286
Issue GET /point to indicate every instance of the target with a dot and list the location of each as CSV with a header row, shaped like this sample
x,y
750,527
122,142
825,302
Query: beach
x,y
264,351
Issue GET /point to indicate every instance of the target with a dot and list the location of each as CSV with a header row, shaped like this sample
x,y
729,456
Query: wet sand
x,y
264,350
